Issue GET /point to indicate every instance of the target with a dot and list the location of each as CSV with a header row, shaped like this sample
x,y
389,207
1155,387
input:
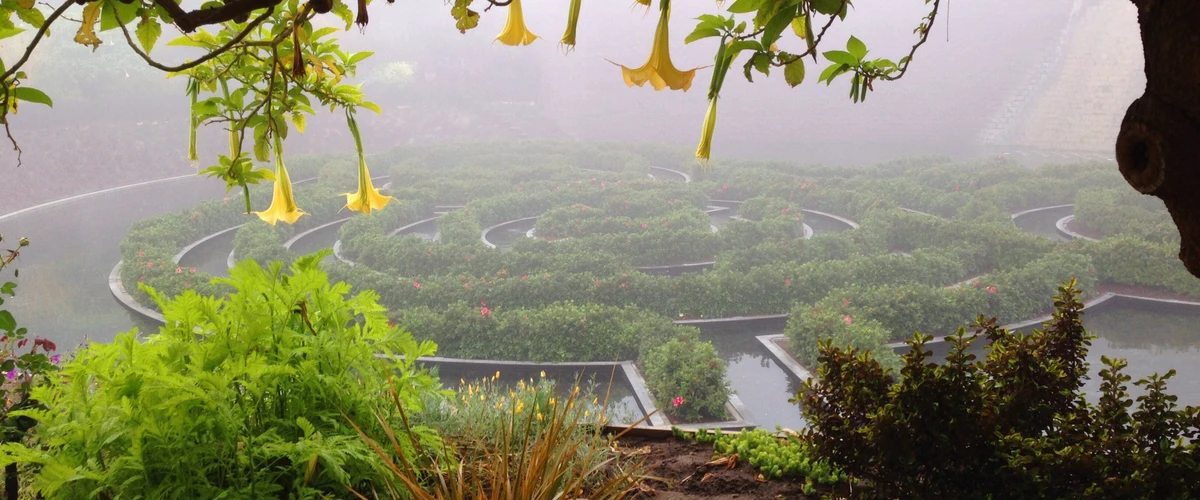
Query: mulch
x,y
681,469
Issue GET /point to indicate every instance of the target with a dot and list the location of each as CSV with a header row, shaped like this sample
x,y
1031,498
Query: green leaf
x,y
371,106
8,288
148,31
30,94
857,48
10,32
109,14
745,6
358,56
798,26
342,10
775,26
793,73
841,57
830,72
701,32
32,17
298,121
7,322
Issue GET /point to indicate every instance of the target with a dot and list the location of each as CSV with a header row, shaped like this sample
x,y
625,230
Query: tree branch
x,y
189,21
206,57
37,38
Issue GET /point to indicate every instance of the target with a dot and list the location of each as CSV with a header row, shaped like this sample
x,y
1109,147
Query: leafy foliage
x,y
1013,425
782,454
688,379
246,395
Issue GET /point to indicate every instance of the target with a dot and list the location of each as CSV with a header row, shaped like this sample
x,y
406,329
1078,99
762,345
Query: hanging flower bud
x,y
568,39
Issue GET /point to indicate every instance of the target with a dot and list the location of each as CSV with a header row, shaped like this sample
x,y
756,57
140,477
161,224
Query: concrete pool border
x,y
686,177
1016,215
1061,227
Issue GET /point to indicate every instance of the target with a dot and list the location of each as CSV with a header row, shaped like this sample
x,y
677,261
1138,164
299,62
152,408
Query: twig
x,y
203,59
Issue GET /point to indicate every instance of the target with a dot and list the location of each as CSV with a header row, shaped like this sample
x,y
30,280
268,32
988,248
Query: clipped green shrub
x,y
687,379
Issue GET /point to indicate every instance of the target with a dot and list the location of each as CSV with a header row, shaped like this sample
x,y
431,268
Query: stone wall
x,y
1081,107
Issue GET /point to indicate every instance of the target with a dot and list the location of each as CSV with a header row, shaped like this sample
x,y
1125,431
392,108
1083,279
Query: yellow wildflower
x,y
283,204
515,33
659,70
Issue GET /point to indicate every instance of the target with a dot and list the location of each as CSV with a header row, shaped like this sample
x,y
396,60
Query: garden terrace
x,y
582,298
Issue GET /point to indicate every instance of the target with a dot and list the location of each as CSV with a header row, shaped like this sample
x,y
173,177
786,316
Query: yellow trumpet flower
x,y
659,70
704,150
283,204
515,33
367,198
568,39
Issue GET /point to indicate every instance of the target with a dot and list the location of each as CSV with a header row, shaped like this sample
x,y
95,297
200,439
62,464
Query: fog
x,y
919,201
118,120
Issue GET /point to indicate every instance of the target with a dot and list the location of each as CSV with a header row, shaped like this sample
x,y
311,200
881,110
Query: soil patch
x,y
682,472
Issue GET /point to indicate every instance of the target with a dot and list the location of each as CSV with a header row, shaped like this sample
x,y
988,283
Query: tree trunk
x,y
1159,144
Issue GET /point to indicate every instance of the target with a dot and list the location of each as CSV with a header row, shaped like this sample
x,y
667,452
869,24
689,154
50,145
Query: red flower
x,y
150,264
991,289
666,222
677,401
485,312
643,225
391,324
956,187
848,320
46,344
596,283
466,285
724,187
178,270
524,276
976,282
192,270
416,284
22,342
141,254
845,302
787,282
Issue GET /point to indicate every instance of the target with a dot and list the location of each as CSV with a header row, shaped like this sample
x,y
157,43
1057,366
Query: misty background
x,y
1041,78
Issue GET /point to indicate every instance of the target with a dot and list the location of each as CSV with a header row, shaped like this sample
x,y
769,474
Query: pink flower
x,y
991,289
150,264
677,401
596,283
976,282
12,374
848,321
643,225
466,285
724,187
416,284
391,324
787,282
485,312
524,276
956,187
178,270
141,254
192,270
55,358
845,302
666,222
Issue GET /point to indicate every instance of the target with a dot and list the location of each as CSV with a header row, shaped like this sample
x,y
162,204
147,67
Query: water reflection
x,y
763,386
1042,222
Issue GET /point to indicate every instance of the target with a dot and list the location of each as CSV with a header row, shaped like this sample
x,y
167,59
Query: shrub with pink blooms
x,y
842,322
687,379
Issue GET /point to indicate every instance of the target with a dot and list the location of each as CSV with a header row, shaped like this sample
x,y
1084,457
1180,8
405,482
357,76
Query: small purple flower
x,y
54,359
12,374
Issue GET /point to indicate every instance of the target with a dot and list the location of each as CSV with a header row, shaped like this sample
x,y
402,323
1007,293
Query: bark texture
x,y
1158,147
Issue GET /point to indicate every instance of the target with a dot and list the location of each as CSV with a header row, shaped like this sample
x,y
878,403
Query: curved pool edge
x,y
192,246
483,235
292,241
126,300
93,193
1023,213
843,220
1061,227
686,177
